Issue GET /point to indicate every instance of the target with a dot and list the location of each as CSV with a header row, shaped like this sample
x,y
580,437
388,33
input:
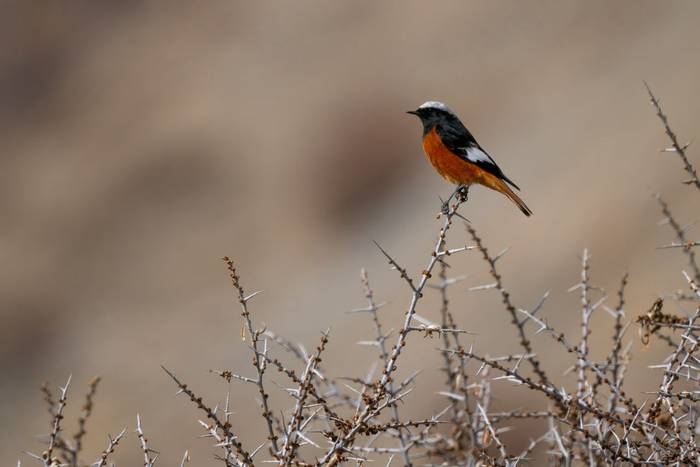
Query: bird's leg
x,y
462,191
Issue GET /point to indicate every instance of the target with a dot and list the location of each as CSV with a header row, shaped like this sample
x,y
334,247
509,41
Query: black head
x,y
433,113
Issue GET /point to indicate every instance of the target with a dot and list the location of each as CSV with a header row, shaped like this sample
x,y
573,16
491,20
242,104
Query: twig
x,y
225,427
676,146
82,420
290,443
680,234
257,362
56,425
111,446
147,460
505,296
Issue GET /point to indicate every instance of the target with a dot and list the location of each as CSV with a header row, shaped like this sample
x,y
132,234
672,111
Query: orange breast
x,y
452,168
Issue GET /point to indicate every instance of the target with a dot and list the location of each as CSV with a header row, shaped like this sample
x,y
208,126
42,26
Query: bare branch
x,y
676,146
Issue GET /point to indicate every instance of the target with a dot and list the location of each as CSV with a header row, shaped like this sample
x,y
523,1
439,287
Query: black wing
x,y
461,142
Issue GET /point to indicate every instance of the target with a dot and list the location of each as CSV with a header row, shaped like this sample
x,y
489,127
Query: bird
x,y
457,157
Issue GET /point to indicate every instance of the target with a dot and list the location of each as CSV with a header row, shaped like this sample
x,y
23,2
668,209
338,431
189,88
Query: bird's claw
x,y
463,194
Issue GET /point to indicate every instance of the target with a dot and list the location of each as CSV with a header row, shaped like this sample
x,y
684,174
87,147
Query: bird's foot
x,y
463,193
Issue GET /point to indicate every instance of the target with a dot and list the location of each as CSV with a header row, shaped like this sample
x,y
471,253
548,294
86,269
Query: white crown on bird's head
x,y
437,106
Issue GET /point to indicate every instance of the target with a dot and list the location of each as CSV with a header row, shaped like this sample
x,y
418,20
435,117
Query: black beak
x,y
412,112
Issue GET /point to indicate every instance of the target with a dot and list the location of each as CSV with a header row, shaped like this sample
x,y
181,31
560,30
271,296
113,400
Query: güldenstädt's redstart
x,y
456,155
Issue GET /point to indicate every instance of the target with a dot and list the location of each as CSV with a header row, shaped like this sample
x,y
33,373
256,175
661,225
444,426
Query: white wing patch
x,y
474,154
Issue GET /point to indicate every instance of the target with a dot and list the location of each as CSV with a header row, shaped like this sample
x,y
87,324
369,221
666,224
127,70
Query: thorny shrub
x,y
595,422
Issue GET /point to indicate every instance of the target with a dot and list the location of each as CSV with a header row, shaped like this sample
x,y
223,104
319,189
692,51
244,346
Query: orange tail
x,y
500,186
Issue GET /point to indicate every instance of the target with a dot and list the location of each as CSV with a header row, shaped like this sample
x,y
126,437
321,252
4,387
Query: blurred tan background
x,y
141,142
